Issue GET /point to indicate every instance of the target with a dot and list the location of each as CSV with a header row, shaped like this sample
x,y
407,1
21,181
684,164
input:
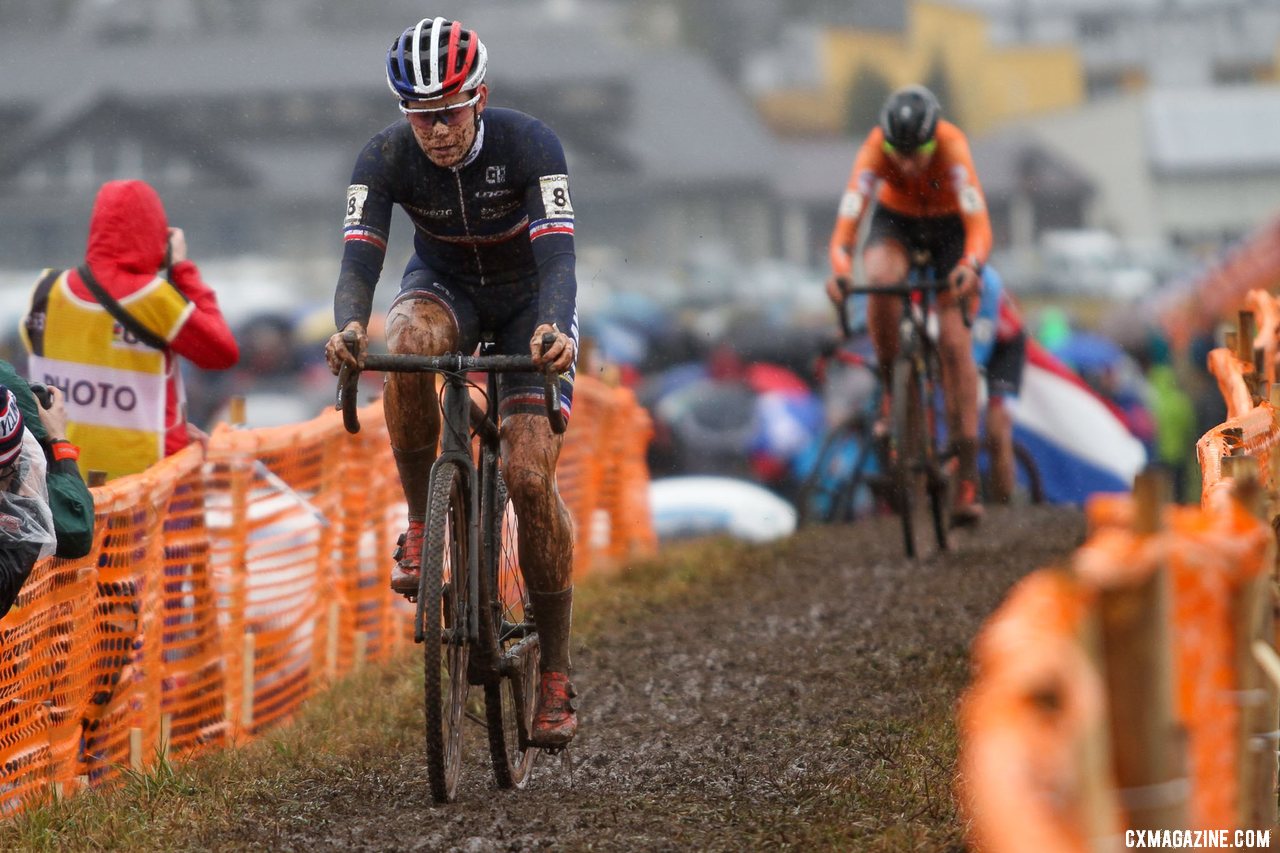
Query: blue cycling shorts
x,y
508,312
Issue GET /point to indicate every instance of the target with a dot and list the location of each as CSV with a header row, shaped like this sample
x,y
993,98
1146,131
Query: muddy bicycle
x,y
911,453
473,616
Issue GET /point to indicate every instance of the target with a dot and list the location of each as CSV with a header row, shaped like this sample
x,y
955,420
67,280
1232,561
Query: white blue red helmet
x,y
435,58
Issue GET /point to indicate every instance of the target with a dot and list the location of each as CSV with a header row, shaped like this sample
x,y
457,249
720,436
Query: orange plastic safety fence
x,y
1029,721
1025,716
1230,372
1255,434
226,586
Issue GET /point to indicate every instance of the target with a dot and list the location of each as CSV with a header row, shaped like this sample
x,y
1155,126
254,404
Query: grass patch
x,y
344,738
339,734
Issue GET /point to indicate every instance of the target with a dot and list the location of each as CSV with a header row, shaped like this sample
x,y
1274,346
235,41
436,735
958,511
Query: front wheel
x,y
829,493
906,447
445,594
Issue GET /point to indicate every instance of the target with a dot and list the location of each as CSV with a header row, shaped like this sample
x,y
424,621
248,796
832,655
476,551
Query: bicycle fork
x,y
456,450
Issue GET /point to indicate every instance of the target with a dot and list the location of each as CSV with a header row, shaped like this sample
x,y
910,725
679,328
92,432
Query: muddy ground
x,y
807,705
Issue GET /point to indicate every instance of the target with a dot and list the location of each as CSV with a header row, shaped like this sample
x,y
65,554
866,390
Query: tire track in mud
x,y
805,705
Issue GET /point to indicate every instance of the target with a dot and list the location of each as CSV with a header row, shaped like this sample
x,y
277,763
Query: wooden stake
x,y
236,411
1151,491
166,733
1253,617
135,748
362,648
331,641
246,703
1147,745
1248,330
1095,752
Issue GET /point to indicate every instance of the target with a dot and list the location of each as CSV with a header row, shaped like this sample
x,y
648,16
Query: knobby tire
x,y
906,446
444,566
937,480
508,696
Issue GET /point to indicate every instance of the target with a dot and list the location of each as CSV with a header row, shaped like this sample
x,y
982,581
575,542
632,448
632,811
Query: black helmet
x,y
909,118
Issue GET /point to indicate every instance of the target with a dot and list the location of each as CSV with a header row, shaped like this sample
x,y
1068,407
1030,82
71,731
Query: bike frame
x,y
458,408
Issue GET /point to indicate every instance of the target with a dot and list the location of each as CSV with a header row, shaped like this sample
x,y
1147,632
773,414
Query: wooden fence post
x,y
1147,744
1253,618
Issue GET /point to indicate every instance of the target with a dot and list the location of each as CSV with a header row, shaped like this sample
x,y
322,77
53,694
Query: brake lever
x,y
348,386
551,390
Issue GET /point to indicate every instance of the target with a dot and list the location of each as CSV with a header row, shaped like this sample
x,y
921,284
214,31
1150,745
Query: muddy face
x,y
446,130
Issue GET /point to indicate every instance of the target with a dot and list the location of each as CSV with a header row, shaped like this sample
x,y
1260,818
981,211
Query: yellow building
x,y
988,83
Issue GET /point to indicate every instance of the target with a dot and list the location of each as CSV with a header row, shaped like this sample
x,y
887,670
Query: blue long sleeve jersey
x,y
501,216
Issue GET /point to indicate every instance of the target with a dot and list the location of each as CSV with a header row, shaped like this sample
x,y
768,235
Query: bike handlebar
x,y
348,377
904,289
901,288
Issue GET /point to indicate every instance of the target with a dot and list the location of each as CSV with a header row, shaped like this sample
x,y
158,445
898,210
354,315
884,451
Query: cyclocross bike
x,y
833,488
836,488
913,459
473,616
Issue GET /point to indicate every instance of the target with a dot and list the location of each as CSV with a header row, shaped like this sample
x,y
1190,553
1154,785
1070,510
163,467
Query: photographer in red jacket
x,y
109,333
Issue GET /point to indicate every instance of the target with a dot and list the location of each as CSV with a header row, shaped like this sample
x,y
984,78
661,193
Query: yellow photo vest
x,y
115,385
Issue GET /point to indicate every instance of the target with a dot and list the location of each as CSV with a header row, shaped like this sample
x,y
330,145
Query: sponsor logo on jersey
x,y
495,174
498,212
430,213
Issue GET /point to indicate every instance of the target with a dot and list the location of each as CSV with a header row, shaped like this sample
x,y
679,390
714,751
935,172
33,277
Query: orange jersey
x,y
946,186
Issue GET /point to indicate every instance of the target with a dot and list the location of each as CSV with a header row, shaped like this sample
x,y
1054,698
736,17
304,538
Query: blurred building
x,y
1127,47
248,116
828,73
1191,168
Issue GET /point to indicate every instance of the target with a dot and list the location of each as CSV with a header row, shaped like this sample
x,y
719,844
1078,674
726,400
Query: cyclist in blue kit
x,y
487,190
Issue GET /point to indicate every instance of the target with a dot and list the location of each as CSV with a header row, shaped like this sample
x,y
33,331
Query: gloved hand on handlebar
x,y
964,280
837,288
337,353
559,356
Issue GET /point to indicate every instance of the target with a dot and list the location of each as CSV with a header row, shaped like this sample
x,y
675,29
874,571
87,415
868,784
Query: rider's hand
x,y
836,291
54,418
337,353
964,280
559,355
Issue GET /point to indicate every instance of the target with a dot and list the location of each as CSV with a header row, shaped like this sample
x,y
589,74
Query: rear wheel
x,y
445,593
1029,473
828,494
506,627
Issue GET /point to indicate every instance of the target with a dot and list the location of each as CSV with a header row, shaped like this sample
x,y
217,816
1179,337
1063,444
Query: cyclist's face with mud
x,y
447,130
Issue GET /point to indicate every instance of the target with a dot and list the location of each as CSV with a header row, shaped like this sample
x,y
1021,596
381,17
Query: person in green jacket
x,y
1175,420
69,498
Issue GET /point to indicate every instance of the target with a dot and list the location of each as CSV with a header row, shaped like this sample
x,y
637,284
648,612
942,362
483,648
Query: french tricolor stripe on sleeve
x,y
545,227
365,235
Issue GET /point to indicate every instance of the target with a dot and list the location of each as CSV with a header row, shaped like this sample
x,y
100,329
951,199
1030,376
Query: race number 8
x,y
555,195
